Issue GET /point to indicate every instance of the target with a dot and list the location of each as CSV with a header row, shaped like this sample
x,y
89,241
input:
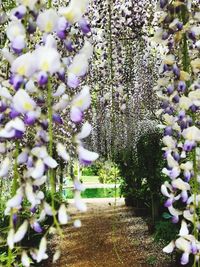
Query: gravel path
x,y
110,236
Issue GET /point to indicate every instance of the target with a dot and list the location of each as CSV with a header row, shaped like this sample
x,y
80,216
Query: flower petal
x,y
62,215
85,131
62,152
169,248
21,232
39,169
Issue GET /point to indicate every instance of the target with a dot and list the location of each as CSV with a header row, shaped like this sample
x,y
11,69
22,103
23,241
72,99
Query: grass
x,y
94,193
84,179
151,260
90,179
91,192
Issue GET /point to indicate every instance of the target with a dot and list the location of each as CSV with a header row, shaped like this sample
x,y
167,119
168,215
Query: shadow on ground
x,y
110,236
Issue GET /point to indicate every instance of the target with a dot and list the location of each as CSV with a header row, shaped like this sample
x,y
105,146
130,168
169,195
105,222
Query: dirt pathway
x,y
104,239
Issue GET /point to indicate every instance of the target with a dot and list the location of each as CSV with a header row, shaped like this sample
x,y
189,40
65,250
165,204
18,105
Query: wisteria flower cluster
x,y
123,60
44,91
179,89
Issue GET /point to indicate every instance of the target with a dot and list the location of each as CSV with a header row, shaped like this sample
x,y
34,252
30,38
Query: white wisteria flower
x,y
185,246
85,131
24,65
61,150
28,3
22,102
15,29
56,256
62,215
21,232
38,171
79,202
41,253
4,93
169,248
10,238
16,200
192,134
77,223
74,11
47,20
86,156
4,168
79,65
26,262
60,90
184,229
48,59
180,184
41,153
11,127
79,104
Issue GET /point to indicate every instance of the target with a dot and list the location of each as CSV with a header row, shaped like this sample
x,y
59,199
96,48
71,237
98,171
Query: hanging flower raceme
x,y
79,65
85,156
79,104
74,11
37,96
178,88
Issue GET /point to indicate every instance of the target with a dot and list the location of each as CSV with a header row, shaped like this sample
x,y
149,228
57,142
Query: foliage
x,y
150,164
4,259
165,231
142,173
109,173
94,193
7,4
58,198
91,170
151,260
128,167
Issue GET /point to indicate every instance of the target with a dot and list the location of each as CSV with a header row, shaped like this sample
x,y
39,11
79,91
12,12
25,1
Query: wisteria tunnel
x,y
100,133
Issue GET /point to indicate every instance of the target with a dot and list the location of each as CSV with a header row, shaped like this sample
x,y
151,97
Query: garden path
x,y
110,236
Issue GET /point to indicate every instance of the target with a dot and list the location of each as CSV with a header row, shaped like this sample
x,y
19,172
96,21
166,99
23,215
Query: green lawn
x,y
90,179
93,193
85,179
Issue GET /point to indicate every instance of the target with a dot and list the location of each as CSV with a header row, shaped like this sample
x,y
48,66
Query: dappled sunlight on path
x,y
103,239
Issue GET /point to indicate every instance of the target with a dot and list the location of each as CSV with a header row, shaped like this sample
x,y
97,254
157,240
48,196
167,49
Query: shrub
x,y
141,172
109,172
91,170
150,164
165,231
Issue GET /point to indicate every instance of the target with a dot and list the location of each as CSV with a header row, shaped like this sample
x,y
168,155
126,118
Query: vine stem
x,y
50,128
114,226
112,74
9,261
16,174
49,3
1,186
13,192
50,150
195,192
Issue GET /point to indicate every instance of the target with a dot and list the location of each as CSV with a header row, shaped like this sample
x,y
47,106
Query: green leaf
x,y
166,215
